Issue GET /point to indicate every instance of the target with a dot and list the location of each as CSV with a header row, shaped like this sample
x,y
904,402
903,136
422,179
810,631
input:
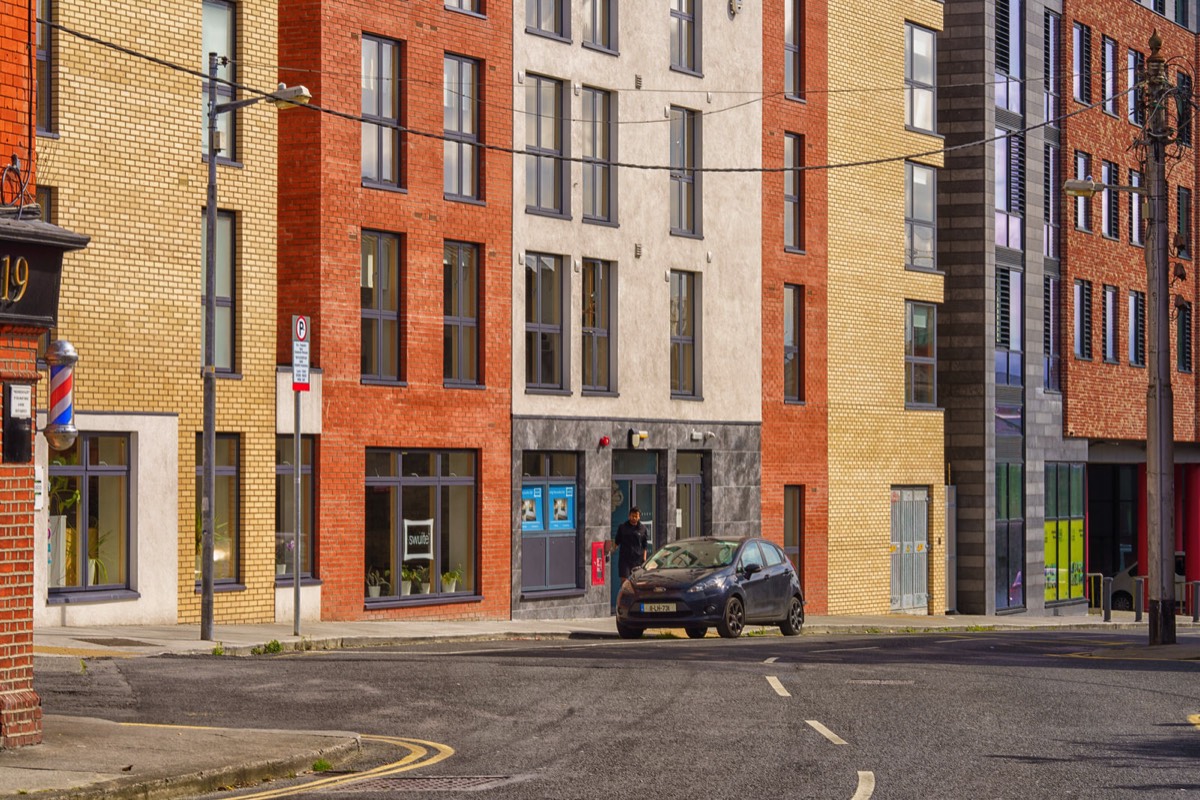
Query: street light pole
x,y
208,478
1160,406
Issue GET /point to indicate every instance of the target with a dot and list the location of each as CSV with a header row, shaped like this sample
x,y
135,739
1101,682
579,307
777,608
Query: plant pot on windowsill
x,y
373,591
405,587
281,569
423,588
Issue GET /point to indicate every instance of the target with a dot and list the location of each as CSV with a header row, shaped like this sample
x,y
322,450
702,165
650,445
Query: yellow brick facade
x,y
874,442
126,164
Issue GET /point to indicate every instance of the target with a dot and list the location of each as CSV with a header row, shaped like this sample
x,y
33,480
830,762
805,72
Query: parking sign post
x,y
300,338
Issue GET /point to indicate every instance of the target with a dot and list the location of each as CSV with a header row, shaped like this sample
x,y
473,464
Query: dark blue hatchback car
x,y
695,584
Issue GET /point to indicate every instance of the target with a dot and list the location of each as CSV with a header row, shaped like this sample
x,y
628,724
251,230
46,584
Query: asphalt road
x,y
988,715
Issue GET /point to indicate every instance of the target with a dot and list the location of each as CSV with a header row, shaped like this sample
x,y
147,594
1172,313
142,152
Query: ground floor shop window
x,y
226,526
1010,536
1064,532
421,527
285,506
550,528
89,514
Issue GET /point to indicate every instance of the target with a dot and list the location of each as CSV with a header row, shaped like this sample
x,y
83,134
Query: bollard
x,y
1138,598
1106,599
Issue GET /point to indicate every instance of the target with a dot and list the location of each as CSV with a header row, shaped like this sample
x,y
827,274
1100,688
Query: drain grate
x,y
117,642
437,783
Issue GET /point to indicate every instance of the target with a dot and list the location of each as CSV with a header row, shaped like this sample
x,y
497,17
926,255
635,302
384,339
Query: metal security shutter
x,y
909,549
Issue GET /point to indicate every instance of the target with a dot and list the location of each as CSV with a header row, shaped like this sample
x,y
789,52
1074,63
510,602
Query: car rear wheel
x,y
733,619
795,619
1122,601
696,632
628,631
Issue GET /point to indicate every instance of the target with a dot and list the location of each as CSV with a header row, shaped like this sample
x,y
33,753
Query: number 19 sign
x,y
300,326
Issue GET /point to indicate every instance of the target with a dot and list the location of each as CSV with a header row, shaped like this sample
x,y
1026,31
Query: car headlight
x,y
709,585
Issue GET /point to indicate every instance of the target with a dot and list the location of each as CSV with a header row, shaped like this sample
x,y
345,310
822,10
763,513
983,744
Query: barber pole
x,y
60,429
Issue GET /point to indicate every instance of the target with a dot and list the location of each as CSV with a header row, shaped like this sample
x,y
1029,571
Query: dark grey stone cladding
x,y
732,503
967,320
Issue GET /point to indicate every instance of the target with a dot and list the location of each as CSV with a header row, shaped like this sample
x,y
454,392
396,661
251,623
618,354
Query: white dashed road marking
x,y
866,786
845,649
771,660
828,734
778,687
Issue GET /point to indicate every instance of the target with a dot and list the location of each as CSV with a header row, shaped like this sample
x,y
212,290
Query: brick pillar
x,y
20,707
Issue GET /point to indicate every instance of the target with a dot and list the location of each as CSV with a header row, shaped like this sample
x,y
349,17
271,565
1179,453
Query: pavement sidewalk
x,y
90,758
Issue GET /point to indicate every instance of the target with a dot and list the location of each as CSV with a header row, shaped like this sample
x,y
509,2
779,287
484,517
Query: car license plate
x,y
657,608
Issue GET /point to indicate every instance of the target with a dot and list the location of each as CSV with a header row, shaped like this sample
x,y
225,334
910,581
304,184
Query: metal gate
x,y
909,549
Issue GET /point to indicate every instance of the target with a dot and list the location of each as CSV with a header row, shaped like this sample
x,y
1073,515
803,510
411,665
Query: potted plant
x,y
423,579
376,580
407,576
450,579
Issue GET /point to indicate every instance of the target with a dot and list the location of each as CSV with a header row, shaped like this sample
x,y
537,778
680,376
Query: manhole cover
x,y
442,783
117,642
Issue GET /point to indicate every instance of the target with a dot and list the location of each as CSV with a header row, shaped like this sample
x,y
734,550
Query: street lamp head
x,y
1078,188
288,96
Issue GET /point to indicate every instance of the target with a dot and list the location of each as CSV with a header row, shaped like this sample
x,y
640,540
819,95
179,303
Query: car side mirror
x,y
750,569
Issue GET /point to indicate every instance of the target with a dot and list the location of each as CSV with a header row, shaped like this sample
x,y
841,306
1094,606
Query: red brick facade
x,y
794,435
20,707
1108,400
323,208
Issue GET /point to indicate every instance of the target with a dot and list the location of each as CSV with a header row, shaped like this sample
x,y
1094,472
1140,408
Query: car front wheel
x,y
795,619
733,620
628,631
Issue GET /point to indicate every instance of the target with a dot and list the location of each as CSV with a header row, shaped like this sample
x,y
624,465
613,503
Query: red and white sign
x,y
300,327
598,563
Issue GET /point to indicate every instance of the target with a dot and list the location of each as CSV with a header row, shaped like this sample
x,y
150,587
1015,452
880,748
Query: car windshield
x,y
707,554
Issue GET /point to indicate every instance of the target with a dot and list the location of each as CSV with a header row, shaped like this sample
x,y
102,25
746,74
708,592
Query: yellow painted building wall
x,y
126,165
874,442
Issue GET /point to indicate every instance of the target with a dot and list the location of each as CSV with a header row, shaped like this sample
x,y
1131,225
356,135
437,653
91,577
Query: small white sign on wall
x,y
39,488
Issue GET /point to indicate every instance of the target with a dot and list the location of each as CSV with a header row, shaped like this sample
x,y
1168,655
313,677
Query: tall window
x,y
1083,319
1184,88
793,192
1183,222
1183,337
1108,70
544,290
88,492
920,355
219,36
600,24
225,330
1135,66
1010,327
685,35
1010,536
460,340
1081,63
1083,205
685,184
793,526
1137,329
548,18
1110,201
1051,203
597,155
598,325
44,196
793,343
1108,335
551,530
1052,67
473,6
1052,333
381,145
1064,532
45,68
545,138
1135,210
1009,54
421,535
227,539
685,366
460,113
285,506
380,306
1010,190
920,78
793,49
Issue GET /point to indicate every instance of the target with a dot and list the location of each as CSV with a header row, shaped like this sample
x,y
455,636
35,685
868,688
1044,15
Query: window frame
x,y
536,149
593,12
562,12
1083,320
1183,337
1052,333
473,7
44,76
607,289
1183,222
793,349
684,172
1009,353
912,222
912,361
539,328
795,531
460,140
1184,110
1136,223
543,528
1109,332
1110,201
381,316
1052,47
1108,75
460,324
686,26
222,471
226,121
596,163
286,472
793,193
1137,328
384,126
226,219
683,346
1135,64
1009,190
794,72
1051,202
912,85
1081,63
1083,205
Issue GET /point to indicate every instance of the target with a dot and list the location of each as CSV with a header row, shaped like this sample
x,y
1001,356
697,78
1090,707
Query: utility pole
x,y
209,445
1160,406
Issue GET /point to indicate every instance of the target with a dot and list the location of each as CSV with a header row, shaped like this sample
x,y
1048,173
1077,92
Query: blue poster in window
x,y
562,508
531,508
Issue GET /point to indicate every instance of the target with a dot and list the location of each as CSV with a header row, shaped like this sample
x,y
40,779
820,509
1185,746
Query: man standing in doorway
x,y
632,538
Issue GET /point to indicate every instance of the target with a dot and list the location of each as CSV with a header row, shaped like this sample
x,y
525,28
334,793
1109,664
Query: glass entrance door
x,y
636,486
